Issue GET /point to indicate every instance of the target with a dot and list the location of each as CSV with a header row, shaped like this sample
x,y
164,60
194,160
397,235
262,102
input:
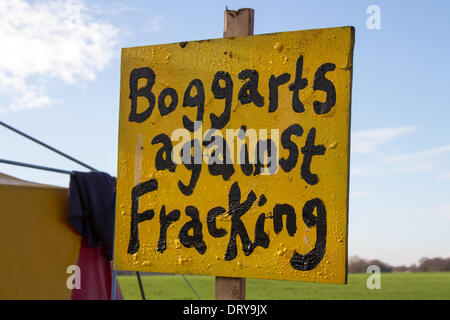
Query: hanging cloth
x,y
92,199
92,203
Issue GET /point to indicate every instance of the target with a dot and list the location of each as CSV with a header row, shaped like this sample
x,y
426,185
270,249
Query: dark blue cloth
x,y
92,203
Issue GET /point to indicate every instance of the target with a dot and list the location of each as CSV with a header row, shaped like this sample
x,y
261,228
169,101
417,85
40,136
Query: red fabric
x,y
96,275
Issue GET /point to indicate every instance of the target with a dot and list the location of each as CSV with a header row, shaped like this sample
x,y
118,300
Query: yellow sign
x,y
234,156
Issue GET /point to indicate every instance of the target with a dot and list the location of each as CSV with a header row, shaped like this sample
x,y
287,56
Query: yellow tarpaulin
x,y
37,244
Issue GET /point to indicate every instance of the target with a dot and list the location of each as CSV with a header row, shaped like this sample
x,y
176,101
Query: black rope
x,y
47,146
34,166
141,287
185,279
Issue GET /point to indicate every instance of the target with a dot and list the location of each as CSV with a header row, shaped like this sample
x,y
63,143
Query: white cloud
x,y
444,212
114,8
364,170
367,141
446,175
415,162
49,39
440,212
359,194
418,156
154,23
370,141
414,166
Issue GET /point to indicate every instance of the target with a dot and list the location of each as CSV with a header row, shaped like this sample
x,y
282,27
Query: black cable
x,y
34,166
46,146
141,287
185,279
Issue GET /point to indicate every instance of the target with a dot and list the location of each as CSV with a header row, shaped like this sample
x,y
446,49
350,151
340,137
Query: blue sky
x,y
59,81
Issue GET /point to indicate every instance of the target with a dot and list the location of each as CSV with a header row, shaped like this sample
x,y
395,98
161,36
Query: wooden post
x,y
237,23
230,288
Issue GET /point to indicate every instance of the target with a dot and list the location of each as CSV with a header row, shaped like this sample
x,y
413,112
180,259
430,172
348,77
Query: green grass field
x,y
403,286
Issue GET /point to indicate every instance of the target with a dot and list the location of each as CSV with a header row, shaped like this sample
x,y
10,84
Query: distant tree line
x,y
359,265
